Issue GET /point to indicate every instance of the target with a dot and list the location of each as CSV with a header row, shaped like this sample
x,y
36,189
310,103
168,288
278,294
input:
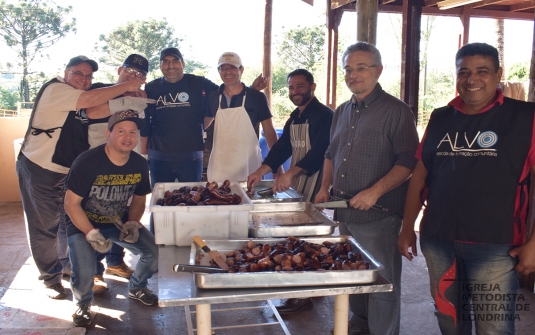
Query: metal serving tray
x,y
280,278
290,195
288,219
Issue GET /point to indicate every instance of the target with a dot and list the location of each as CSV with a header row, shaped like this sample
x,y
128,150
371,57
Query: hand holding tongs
x,y
335,202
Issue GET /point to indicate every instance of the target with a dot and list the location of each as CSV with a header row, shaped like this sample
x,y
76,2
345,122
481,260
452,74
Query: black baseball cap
x,y
126,115
171,52
137,61
83,59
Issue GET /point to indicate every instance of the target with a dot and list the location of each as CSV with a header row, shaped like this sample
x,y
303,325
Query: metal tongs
x,y
335,202
119,224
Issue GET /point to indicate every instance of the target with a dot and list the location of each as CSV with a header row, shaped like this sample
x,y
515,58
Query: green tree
x,y
147,38
518,71
303,47
194,67
8,99
440,90
29,27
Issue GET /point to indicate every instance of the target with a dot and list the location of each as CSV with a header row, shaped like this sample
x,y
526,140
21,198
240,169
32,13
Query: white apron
x,y
300,140
235,152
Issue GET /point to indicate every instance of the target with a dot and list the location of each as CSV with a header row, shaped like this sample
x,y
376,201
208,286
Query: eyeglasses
x,y
79,75
135,72
360,69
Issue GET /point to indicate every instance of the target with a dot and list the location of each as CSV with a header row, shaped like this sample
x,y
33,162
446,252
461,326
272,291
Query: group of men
x,y
471,170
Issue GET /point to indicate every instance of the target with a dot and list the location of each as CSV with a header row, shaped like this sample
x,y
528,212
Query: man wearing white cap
x,y
173,138
238,111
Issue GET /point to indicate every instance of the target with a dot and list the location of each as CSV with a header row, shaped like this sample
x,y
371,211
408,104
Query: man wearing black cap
x,y
135,67
99,186
173,138
53,139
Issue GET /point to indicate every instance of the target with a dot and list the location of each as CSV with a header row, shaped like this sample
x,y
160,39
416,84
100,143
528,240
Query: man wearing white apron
x,y
305,138
238,112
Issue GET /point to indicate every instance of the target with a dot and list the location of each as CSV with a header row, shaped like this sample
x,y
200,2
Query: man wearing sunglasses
x,y
54,138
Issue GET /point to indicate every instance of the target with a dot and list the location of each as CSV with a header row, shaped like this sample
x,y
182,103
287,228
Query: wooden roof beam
x,y
522,6
484,13
340,3
488,2
429,3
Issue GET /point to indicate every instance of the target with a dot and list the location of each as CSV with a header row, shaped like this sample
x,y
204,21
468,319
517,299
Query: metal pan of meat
x,y
262,195
292,275
289,219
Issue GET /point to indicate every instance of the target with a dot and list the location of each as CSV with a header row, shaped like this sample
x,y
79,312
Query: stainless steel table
x,y
178,289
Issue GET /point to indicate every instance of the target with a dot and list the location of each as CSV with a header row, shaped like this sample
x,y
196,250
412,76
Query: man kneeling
x,y
98,188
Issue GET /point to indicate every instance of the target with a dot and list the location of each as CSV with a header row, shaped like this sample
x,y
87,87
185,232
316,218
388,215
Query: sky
x,y
211,27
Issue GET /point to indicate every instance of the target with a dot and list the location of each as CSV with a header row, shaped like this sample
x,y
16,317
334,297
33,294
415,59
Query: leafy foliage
x,y
197,68
518,71
29,27
440,91
148,38
303,47
8,99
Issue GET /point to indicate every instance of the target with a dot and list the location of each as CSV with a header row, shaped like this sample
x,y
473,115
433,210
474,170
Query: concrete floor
x,y
25,311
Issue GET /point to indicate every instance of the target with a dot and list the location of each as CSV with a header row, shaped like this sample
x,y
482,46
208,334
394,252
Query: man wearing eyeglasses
x,y
368,162
54,138
135,67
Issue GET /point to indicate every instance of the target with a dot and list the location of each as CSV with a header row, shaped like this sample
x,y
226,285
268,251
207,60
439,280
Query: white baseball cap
x,y
229,58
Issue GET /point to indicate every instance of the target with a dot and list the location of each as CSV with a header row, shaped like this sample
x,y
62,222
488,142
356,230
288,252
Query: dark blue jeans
x,y
167,172
471,282
84,263
113,257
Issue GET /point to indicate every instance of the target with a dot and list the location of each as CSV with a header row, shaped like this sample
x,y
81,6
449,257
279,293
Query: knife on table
x,y
197,268
342,203
214,254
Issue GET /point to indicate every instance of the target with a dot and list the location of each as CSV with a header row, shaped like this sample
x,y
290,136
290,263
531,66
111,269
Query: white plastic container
x,y
176,225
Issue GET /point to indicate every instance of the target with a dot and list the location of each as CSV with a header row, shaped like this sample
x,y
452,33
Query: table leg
x,y
341,314
204,319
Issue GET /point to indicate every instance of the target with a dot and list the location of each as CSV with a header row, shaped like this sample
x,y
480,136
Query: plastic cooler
x,y
265,150
176,225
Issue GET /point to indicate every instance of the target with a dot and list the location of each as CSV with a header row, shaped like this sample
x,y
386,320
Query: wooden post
x,y
410,53
328,73
334,17
465,21
337,18
267,48
367,21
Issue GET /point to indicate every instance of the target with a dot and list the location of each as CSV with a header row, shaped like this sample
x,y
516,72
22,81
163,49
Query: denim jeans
x,y
113,257
167,172
380,312
84,262
471,282
63,247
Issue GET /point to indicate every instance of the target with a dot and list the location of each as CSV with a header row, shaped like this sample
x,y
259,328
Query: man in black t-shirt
x,y
135,67
98,186
173,138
